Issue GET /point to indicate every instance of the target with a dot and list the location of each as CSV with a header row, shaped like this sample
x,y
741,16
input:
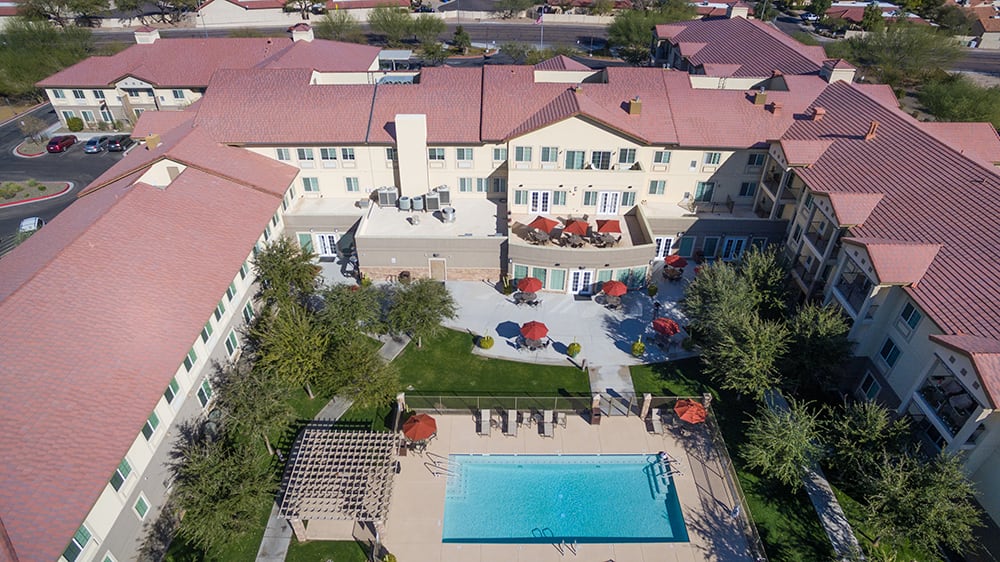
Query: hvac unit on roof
x,y
387,197
432,201
444,194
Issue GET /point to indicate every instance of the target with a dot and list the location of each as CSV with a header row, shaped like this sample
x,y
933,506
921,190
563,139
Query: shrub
x,y
9,189
652,289
102,126
573,349
32,183
389,557
486,342
41,187
74,124
366,282
638,348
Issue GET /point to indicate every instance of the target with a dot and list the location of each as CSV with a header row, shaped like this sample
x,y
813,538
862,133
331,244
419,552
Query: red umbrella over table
x,y
666,326
690,411
607,226
576,227
419,427
529,285
614,288
673,260
534,330
544,224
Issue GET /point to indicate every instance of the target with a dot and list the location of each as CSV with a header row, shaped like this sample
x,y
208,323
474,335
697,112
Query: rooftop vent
x,y
775,107
634,106
817,113
871,131
760,98
152,141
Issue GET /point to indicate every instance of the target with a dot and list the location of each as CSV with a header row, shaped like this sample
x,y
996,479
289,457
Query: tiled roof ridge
x,y
990,346
565,105
786,40
252,185
670,106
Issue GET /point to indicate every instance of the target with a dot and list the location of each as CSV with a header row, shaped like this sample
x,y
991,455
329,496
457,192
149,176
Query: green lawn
x,y
320,551
786,521
446,364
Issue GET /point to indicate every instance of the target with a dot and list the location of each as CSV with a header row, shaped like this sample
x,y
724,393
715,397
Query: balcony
x,y
634,247
853,289
819,238
806,274
949,401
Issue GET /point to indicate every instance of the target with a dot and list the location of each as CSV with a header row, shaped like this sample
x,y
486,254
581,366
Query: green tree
x,y
131,9
716,299
293,347
904,53
419,308
55,11
86,11
253,401
746,356
220,487
517,51
285,272
427,28
602,7
953,97
861,434
767,274
349,310
955,19
339,25
872,19
433,54
32,50
461,40
632,30
780,442
510,8
246,32
32,127
928,503
819,7
391,22
362,374
819,344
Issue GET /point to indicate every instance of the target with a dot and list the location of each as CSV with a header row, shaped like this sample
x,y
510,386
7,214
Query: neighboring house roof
x,y
70,412
561,62
987,18
978,140
897,262
757,47
932,195
8,8
985,356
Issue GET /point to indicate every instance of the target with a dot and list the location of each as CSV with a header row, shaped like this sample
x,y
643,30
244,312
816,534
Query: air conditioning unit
x,y
387,197
432,202
444,194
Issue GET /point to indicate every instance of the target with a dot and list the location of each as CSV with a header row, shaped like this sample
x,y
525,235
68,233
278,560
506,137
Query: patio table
x,y
539,237
575,241
609,239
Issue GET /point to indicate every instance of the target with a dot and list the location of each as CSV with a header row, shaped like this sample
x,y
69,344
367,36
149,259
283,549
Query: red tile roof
x,y
986,18
561,62
804,152
977,140
449,97
325,56
118,346
897,262
757,47
985,356
852,209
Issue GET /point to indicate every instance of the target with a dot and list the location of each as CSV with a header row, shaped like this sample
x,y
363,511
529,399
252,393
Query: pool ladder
x,y
562,546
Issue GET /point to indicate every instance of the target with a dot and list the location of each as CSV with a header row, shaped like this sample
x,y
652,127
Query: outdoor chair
x,y
655,422
483,423
560,419
510,427
547,429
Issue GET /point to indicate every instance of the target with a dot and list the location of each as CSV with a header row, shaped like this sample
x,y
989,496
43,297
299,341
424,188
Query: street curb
x,y
69,186
19,154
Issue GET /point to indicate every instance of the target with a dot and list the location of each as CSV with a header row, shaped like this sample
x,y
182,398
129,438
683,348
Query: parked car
x,y
30,224
96,145
120,143
61,143
809,17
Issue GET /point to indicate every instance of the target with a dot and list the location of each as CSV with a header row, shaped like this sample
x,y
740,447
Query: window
x,y
244,269
797,233
574,159
499,185
284,155
756,159
68,114
600,159
703,191
626,156
248,313
98,94
59,94
329,157
178,94
435,154
661,157
232,344
463,154
391,153
558,198
171,392
911,316
808,201
352,185
520,271
274,219
206,332
88,116
138,111
121,473
686,246
557,279
141,507
204,393
482,185
522,153
310,185
305,155
657,187
231,291
108,558
465,184
539,201
152,422
190,360
710,246
628,198
550,154
870,387
78,94
347,154
499,154
267,233
889,352
712,158
748,188
106,116
590,198
520,197
76,546
220,309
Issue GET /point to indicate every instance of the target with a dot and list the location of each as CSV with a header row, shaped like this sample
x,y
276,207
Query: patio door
x,y
663,244
607,202
326,245
581,281
539,202
733,248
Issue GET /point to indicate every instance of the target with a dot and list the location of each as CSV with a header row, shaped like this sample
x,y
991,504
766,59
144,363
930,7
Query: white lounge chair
x,y
510,428
656,423
548,424
484,422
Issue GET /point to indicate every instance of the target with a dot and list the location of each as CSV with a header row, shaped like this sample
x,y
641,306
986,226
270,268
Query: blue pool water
x,y
550,498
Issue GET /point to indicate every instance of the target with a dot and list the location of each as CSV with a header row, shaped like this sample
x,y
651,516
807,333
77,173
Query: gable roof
x,y
977,140
561,62
449,97
119,346
803,152
852,209
897,262
985,356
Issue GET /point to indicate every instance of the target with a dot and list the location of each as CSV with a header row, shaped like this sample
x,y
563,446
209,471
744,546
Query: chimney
x,y
301,32
146,35
737,10
776,107
152,141
634,106
871,131
578,88
760,98
817,114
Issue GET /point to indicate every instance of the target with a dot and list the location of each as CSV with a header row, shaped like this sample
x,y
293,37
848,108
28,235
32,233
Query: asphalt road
x,y
72,166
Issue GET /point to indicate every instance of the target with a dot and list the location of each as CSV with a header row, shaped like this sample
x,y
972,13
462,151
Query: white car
x,y
809,17
30,225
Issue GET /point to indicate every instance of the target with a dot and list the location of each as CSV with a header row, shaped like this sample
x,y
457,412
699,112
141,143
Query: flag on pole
x,y
539,20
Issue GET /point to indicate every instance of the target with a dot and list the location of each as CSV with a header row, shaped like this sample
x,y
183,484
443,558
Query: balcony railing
x,y
949,401
819,240
854,292
805,274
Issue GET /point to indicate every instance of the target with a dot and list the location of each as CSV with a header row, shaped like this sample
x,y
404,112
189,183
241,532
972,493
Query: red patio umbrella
x,y
606,226
673,260
614,288
529,285
576,227
666,326
534,330
420,427
544,224
690,411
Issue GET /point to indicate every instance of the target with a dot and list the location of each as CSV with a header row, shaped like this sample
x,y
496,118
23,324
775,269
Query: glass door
x,y
539,202
607,202
580,281
663,244
733,248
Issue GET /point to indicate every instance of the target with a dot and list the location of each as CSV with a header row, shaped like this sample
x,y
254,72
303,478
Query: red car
x,y
61,143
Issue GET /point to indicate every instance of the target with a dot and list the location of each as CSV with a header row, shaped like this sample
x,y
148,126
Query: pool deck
x,y
414,526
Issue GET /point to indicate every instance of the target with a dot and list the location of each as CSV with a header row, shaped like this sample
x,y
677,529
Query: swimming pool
x,y
551,498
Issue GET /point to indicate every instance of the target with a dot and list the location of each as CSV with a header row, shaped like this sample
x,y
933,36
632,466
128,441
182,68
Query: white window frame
x,y
540,202
122,478
325,244
626,157
748,189
704,191
205,393
352,184
608,202
328,155
232,344
75,541
178,94
79,94
310,185
135,506
306,156
579,159
463,156
500,154
550,155
190,360
465,185
499,185
283,154
661,157
59,94
88,116
600,159
712,158
885,357
657,187
435,154
522,154
906,323
152,423
733,247
347,154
